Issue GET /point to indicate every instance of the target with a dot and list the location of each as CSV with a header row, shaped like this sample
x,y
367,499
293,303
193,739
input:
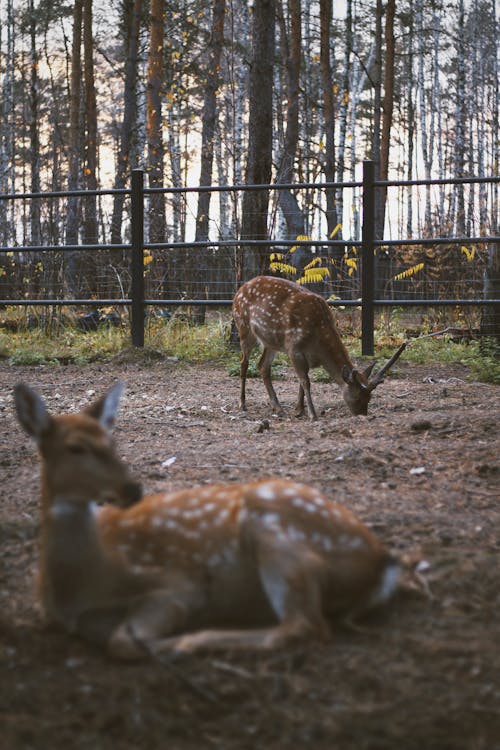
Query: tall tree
x,y
90,205
208,135
34,127
209,118
344,109
73,210
377,98
459,151
154,125
133,15
328,109
260,135
387,110
292,49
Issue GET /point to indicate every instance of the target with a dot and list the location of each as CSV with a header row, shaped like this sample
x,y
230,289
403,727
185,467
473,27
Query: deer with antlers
x,y
222,566
285,317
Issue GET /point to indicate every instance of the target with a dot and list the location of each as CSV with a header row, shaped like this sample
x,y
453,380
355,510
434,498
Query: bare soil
x,y
422,470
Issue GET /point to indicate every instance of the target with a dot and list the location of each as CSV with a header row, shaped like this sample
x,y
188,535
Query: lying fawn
x,y
285,317
244,566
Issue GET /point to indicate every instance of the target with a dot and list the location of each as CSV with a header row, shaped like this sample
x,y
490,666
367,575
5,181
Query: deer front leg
x,y
158,614
265,363
301,367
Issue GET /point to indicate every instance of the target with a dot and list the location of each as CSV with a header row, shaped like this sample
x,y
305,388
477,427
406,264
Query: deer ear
x,y
105,408
31,411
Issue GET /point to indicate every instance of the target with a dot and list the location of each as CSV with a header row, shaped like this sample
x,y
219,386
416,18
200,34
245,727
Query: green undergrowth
x,y
179,340
481,358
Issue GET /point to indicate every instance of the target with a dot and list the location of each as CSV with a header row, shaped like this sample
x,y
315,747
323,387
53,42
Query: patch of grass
x,y
485,366
482,360
67,346
179,338
210,343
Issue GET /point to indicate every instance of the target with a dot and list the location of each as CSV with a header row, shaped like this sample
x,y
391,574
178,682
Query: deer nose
x,y
131,493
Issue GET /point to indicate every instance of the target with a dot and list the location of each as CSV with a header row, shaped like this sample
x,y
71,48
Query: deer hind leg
x,y
247,343
265,363
299,407
291,579
302,369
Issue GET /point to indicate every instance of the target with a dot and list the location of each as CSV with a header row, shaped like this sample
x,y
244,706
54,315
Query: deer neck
x,y
334,356
73,563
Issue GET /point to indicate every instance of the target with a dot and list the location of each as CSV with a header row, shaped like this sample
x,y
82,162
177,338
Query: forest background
x,y
234,92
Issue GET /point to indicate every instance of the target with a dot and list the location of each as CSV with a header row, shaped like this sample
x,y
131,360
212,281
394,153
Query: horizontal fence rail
x,y
138,301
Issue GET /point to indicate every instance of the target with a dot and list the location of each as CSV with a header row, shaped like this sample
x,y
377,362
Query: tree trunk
x,y
377,104
34,135
154,122
75,157
387,110
344,109
460,120
287,201
260,136
128,125
328,110
90,235
195,273
410,116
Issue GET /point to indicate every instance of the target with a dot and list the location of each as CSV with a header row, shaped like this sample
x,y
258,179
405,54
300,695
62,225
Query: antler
x,y
379,376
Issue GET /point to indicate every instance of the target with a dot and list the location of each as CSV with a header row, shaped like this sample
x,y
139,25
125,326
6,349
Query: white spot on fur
x,y
275,588
271,519
387,584
266,492
295,534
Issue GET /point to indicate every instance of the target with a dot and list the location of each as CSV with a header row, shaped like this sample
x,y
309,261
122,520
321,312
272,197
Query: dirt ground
x,y
422,470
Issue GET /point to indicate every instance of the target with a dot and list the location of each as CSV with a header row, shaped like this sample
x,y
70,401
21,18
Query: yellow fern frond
x,y
300,238
276,256
352,263
313,275
283,268
313,263
469,254
335,230
409,272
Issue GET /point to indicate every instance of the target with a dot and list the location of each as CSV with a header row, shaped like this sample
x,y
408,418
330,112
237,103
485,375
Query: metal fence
x,y
138,300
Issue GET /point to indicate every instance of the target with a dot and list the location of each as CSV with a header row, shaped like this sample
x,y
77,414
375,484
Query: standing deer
x,y
244,566
284,317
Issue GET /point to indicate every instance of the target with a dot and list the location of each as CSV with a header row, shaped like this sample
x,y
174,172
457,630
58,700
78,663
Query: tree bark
x,y
260,132
128,125
90,235
208,134
387,110
154,129
34,133
292,47
75,157
328,109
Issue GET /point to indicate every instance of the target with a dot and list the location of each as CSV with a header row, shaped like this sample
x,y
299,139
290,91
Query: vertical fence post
x,y
137,259
368,259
